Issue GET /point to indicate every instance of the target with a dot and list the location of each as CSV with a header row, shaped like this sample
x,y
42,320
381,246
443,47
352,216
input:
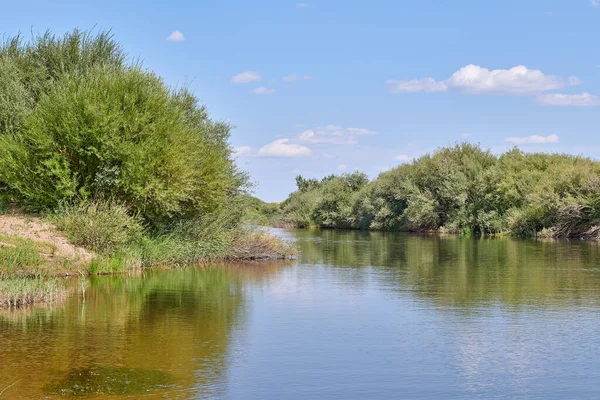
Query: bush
x,y
101,226
78,123
326,203
120,135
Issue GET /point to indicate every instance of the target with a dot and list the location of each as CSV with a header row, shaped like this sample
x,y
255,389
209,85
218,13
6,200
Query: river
x,y
359,315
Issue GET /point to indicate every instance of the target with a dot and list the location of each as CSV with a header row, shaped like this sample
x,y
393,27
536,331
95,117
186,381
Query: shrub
x,y
101,226
120,134
77,122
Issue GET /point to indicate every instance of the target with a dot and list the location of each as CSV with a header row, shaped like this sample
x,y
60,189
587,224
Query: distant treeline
x,y
461,189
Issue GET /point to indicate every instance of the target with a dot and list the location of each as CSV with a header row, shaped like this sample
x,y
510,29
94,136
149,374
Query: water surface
x,y
358,315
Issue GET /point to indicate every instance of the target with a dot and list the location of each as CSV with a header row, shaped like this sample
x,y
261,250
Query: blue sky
x,y
321,87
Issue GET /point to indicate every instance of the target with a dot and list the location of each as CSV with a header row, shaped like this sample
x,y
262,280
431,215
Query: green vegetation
x,y
15,292
100,226
259,212
99,128
461,189
125,166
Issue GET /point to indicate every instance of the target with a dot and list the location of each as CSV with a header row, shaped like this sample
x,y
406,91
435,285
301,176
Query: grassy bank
x,y
34,270
461,189
102,238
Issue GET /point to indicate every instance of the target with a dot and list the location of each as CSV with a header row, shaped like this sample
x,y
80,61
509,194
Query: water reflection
x,y
171,322
358,315
458,271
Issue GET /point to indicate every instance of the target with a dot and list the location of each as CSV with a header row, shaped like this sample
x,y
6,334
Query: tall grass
x,y
23,257
15,292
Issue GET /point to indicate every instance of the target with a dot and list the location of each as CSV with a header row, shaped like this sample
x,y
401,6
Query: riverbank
x,y
35,253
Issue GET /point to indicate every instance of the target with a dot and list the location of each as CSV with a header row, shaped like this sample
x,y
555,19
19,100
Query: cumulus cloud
x,y
263,90
576,100
242,150
474,79
302,5
534,139
283,148
176,37
245,77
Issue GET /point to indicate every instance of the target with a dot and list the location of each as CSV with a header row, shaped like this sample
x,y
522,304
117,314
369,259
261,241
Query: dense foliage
x,y
124,165
462,189
258,212
78,123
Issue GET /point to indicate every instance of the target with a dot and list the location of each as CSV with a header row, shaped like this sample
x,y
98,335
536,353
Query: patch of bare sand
x,y
38,230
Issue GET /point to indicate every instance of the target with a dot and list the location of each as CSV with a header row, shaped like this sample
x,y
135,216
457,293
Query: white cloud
x,y
465,135
428,85
176,37
594,3
245,77
307,135
263,90
517,80
474,79
282,148
342,167
403,158
333,134
242,150
330,134
577,100
307,77
361,131
302,5
534,139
